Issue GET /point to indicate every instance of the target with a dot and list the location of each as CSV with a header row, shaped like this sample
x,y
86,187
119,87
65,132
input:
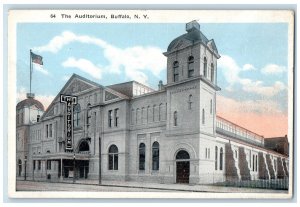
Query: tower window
x,y
175,118
205,67
190,102
175,71
212,73
190,66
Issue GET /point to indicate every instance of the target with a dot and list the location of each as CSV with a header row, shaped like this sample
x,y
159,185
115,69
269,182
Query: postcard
x,y
150,103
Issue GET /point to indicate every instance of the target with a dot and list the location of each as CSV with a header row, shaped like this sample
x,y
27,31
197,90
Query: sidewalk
x,y
172,187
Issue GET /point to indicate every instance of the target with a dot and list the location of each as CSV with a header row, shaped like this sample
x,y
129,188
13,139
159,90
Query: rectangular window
x,y
46,130
50,130
176,74
88,118
109,118
116,117
33,164
39,165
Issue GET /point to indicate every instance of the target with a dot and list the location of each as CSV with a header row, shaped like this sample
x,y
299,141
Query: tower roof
x,y
30,102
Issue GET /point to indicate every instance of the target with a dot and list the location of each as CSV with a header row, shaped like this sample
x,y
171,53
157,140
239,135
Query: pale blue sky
x,y
253,65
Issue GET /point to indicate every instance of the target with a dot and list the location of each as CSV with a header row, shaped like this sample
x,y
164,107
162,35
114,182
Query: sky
x,y
252,70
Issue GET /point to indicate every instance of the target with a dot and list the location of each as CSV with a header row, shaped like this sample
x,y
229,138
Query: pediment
x,y
183,43
77,86
110,96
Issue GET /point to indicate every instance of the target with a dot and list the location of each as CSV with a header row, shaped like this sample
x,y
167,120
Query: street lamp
x,y
74,168
25,160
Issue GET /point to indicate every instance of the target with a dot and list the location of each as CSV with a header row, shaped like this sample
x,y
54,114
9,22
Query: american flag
x,y
36,59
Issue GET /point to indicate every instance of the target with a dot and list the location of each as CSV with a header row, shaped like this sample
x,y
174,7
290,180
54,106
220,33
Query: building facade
x,y
129,131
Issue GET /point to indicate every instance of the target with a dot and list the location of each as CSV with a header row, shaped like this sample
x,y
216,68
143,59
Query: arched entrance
x,y
182,167
83,165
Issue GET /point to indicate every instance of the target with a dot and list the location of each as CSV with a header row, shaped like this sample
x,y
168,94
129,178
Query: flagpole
x,y
30,71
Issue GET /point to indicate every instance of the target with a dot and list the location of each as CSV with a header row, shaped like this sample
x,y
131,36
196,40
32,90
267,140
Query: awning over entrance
x,y
63,155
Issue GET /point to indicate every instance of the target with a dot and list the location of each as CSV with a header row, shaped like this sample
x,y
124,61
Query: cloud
x,y
83,65
231,71
134,61
40,69
273,69
272,121
248,67
44,99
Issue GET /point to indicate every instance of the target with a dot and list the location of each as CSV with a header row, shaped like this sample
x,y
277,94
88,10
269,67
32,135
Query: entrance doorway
x,y
182,167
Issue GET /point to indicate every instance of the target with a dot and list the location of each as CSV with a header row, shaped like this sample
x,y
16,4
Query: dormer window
x,y
190,66
176,71
205,67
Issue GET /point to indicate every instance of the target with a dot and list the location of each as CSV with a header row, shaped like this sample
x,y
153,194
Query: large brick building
x,y
169,135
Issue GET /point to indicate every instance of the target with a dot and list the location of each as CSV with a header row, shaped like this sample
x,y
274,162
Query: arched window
x,y
190,66
155,156
221,158
113,157
175,118
175,71
203,116
211,106
142,156
216,158
84,147
205,67
212,73
76,116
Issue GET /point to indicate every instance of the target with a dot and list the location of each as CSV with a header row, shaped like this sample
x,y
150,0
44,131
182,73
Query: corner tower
x,y
192,81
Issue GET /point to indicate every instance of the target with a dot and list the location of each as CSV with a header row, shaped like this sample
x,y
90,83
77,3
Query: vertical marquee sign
x,y
70,102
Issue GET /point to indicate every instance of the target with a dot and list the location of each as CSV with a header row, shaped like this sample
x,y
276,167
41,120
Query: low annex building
x,y
169,135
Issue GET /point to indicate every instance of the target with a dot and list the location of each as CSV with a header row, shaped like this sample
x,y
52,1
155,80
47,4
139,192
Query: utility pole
x,y
99,160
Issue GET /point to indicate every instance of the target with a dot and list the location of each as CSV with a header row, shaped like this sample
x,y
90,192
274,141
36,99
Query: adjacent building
x,y
129,131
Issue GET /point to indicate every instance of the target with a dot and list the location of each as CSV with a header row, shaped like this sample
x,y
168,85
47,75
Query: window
x,y
216,158
256,163
221,158
142,153
144,118
250,159
203,116
176,71
138,116
160,109
113,157
211,106
155,156
39,165
76,116
132,116
50,130
116,117
154,113
48,164
33,164
88,115
110,118
190,102
212,73
148,114
46,130
175,118
205,67
190,66
253,160
38,118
